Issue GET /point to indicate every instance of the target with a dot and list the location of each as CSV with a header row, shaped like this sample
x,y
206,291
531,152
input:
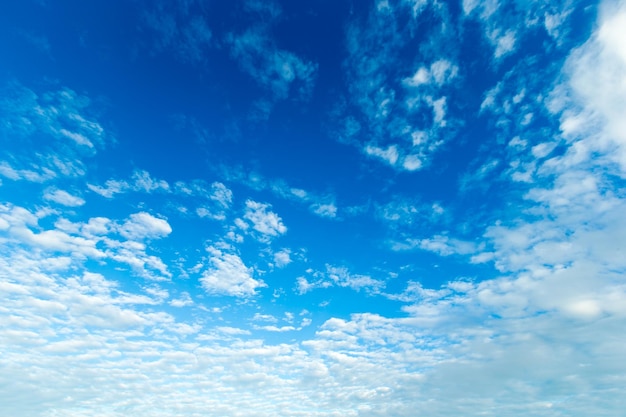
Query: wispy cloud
x,y
58,123
397,113
181,28
281,72
335,276
63,197
323,205
140,181
263,220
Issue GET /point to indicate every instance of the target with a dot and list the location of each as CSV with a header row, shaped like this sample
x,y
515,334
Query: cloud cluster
x,y
227,274
59,123
398,108
335,276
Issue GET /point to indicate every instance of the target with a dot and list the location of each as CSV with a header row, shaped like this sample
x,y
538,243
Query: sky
x,y
312,208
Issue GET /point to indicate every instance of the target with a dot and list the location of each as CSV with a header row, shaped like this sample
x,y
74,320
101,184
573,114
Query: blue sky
x,y
313,208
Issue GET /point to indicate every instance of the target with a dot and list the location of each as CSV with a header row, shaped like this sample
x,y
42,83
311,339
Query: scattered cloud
x,y
144,225
264,221
140,181
399,116
323,205
228,275
282,258
63,197
58,123
282,72
338,277
439,244
181,29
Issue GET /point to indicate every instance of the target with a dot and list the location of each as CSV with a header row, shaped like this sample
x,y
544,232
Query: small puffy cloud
x,y
232,331
144,225
598,87
207,213
440,72
228,275
389,155
263,220
63,197
412,162
276,329
504,43
341,277
338,277
282,258
303,285
142,181
184,300
221,194
110,188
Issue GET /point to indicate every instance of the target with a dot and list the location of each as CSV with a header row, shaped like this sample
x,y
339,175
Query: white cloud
x,y
140,181
205,212
439,244
389,155
440,72
321,205
9,172
63,197
282,258
264,221
412,162
60,114
228,275
504,43
596,76
339,277
184,300
221,194
111,187
325,210
144,225
58,124
232,330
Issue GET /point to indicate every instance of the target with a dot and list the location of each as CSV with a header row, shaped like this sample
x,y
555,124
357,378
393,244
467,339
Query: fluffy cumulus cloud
x,y
144,225
263,220
227,274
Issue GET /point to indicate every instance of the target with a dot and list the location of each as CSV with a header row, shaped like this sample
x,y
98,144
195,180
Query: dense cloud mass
x,y
267,208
